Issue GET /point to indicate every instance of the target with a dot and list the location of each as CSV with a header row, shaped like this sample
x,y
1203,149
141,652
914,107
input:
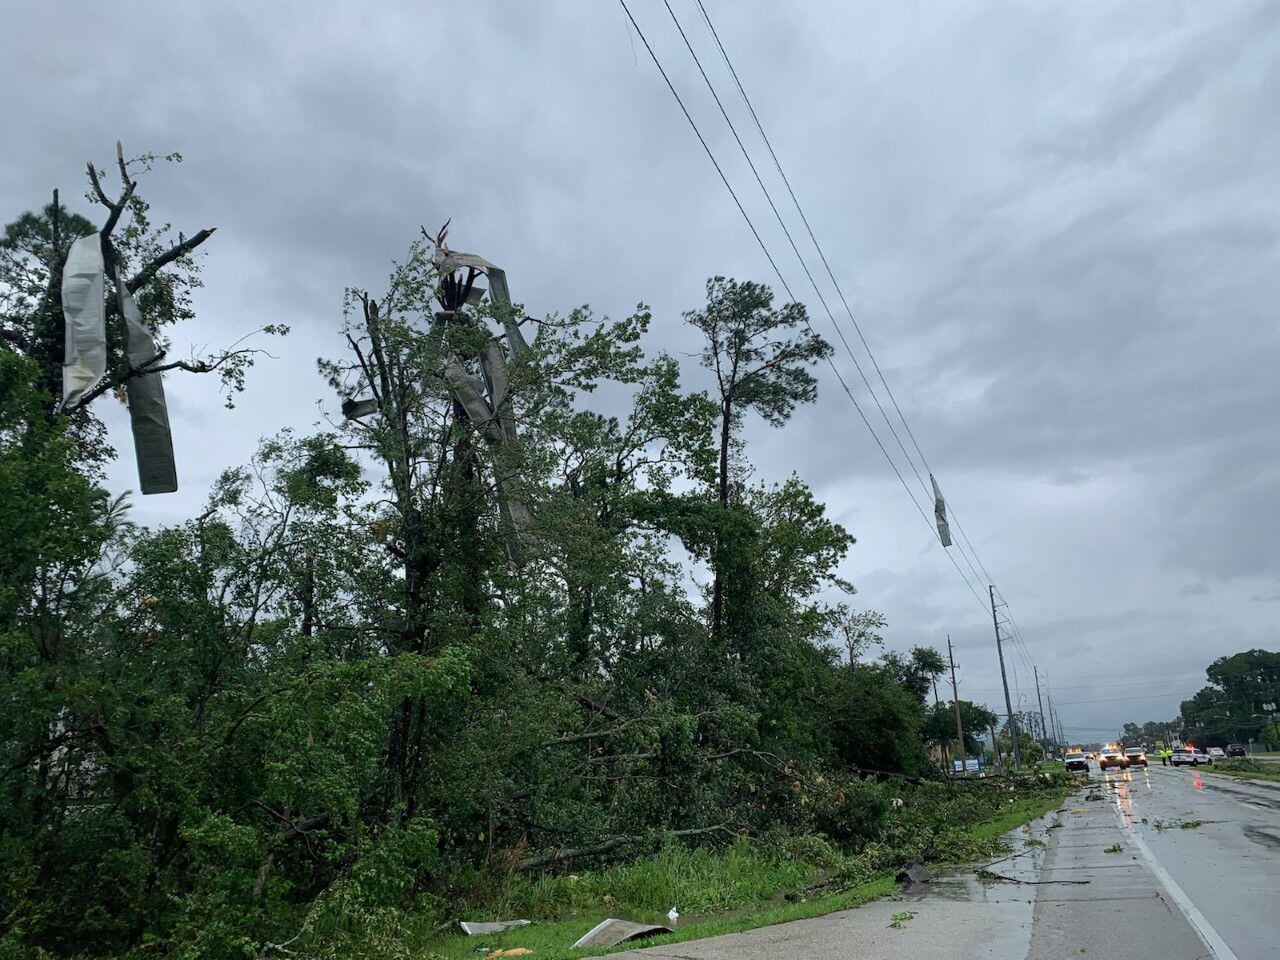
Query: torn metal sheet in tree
x,y
486,400
85,360
474,929
84,313
148,413
612,931
354,409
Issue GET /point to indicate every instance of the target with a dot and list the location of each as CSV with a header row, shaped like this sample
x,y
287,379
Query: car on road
x,y
1136,756
1189,757
1077,760
1217,753
1236,750
1113,757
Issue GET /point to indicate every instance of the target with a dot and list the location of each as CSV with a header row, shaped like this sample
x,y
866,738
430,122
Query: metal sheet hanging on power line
x,y
84,313
148,412
940,514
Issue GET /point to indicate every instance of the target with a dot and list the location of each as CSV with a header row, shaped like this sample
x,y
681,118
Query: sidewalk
x,y
957,918
1120,913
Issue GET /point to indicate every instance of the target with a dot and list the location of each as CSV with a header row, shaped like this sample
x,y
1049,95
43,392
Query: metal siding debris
x,y
148,413
472,929
84,312
612,931
940,514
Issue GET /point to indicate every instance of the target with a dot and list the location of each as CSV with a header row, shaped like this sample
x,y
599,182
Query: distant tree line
x,y
1241,703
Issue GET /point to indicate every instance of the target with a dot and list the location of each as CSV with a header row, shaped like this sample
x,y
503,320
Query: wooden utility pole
x,y
1044,739
946,761
1004,680
1055,718
955,699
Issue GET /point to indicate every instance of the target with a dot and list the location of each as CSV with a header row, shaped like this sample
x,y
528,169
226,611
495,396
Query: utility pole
x,y
1044,740
1055,716
995,747
955,699
1004,680
946,761
1054,732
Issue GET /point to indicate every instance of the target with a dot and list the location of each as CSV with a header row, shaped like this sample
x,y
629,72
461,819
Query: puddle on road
x,y
1263,836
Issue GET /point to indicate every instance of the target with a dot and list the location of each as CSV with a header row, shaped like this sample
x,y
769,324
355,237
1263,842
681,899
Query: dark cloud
x,y
1057,222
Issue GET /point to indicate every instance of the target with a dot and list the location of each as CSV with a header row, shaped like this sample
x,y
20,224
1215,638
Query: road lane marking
x,y
1212,939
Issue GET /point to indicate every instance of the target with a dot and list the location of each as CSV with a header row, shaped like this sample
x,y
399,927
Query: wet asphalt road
x,y
1116,877
1227,867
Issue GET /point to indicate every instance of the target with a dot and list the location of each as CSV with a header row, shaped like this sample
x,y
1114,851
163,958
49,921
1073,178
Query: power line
x,y
1102,684
746,155
781,279
964,537
1150,696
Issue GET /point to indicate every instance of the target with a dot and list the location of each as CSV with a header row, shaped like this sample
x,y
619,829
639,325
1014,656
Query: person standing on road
x,y
1165,754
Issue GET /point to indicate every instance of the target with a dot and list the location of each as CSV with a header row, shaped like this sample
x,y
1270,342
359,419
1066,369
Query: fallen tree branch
x,y
990,875
565,854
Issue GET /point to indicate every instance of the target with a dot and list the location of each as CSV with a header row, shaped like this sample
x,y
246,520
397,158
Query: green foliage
x,y
1230,709
976,720
352,691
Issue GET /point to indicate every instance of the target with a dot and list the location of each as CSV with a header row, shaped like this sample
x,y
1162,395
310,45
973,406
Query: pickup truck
x,y
1077,760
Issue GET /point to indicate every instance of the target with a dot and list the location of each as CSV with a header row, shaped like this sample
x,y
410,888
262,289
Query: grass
x,y
740,888
1245,769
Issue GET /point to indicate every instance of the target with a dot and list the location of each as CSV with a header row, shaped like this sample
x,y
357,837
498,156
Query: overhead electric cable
x,y
799,256
964,539
746,155
781,279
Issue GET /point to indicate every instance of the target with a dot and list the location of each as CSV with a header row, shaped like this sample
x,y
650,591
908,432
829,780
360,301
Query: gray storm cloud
x,y
1058,224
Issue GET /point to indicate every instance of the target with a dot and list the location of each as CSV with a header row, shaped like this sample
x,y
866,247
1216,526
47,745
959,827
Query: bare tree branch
x,y
178,250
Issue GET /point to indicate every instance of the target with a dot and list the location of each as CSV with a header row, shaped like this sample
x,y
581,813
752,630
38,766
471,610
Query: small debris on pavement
x,y
913,876
990,876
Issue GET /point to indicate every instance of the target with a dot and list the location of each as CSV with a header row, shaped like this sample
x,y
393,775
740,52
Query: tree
x,y
148,261
918,670
1230,708
761,362
337,694
856,631
976,719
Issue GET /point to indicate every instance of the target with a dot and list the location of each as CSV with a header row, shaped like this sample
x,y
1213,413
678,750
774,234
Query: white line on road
x,y
1212,939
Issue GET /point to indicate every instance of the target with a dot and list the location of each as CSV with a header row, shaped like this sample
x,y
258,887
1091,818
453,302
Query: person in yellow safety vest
x,y
1165,754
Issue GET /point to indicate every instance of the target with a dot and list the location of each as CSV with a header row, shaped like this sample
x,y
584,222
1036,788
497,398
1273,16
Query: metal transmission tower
x,y
1044,737
1004,680
955,700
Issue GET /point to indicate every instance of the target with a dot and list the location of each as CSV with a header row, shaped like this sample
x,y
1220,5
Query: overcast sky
x,y
1057,224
